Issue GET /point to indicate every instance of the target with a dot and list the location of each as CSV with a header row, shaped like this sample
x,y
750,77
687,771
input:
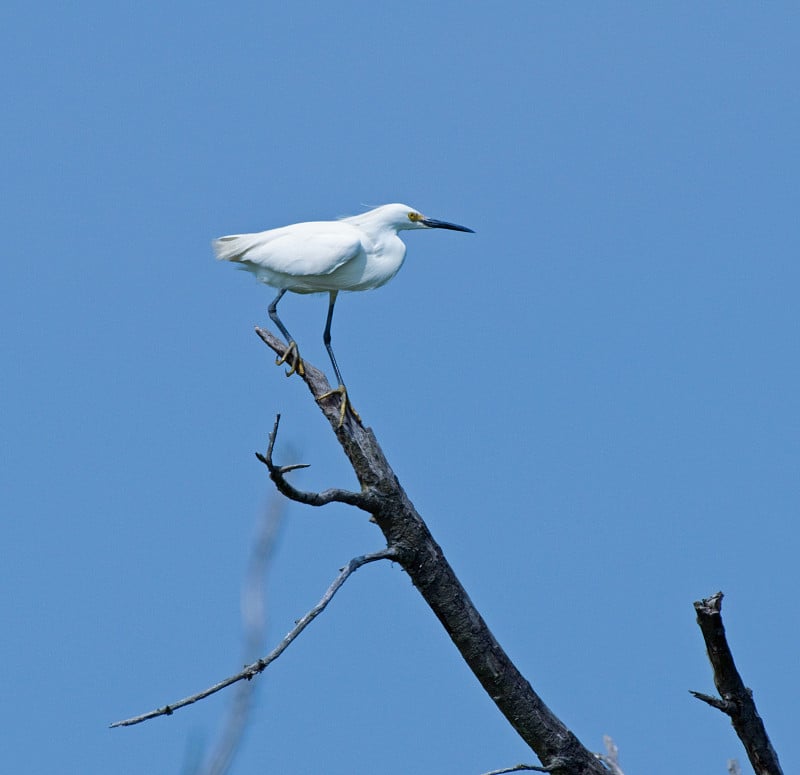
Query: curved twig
x,y
250,671
362,500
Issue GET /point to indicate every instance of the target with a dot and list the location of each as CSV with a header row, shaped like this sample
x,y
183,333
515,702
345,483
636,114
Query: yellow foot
x,y
341,391
296,361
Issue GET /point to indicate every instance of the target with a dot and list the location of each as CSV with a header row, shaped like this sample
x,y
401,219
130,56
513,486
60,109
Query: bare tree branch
x,y
362,500
407,535
736,699
250,671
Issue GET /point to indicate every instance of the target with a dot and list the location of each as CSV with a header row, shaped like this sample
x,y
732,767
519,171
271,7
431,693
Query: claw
x,y
296,362
342,391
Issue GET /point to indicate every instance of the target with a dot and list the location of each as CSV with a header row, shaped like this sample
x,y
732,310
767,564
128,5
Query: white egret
x,y
352,254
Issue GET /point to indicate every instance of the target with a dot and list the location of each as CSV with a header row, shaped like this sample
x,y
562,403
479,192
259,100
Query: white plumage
x,y
352,254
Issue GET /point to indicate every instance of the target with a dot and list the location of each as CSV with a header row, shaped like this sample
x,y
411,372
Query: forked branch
x,y
421,557
410,543
735,699
362,500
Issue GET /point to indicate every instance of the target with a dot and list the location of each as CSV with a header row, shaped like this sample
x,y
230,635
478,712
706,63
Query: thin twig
x,y
250,671
362,500
519,768
736,699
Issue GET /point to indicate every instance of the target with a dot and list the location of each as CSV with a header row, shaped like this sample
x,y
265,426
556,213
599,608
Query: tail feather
x,y
234,247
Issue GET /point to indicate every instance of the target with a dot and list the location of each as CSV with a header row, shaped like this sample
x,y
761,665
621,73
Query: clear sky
x,y
594,400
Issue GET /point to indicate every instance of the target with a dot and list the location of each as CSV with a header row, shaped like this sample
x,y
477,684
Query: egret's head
x,y
409,218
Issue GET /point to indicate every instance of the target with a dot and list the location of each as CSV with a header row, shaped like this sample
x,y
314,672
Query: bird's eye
x,y
412,216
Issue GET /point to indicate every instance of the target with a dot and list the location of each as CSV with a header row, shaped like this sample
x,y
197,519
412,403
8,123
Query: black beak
x,y
434,224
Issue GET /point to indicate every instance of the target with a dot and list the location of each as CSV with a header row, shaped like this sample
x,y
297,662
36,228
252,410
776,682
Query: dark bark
x,y
735,699
421,557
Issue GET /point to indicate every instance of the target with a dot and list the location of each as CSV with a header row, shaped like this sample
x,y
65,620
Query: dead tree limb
x,y
735,699
420,556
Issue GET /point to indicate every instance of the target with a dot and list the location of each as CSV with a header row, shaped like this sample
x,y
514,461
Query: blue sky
x,y
593,400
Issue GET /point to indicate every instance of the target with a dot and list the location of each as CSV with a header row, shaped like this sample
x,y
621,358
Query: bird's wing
x,y
315,248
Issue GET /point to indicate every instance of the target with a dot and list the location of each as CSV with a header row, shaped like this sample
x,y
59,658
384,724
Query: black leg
x,y
326,336
341,390
291,350
273,315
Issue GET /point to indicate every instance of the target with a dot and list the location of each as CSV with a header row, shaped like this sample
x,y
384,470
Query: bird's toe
x,y
291,357
345,405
